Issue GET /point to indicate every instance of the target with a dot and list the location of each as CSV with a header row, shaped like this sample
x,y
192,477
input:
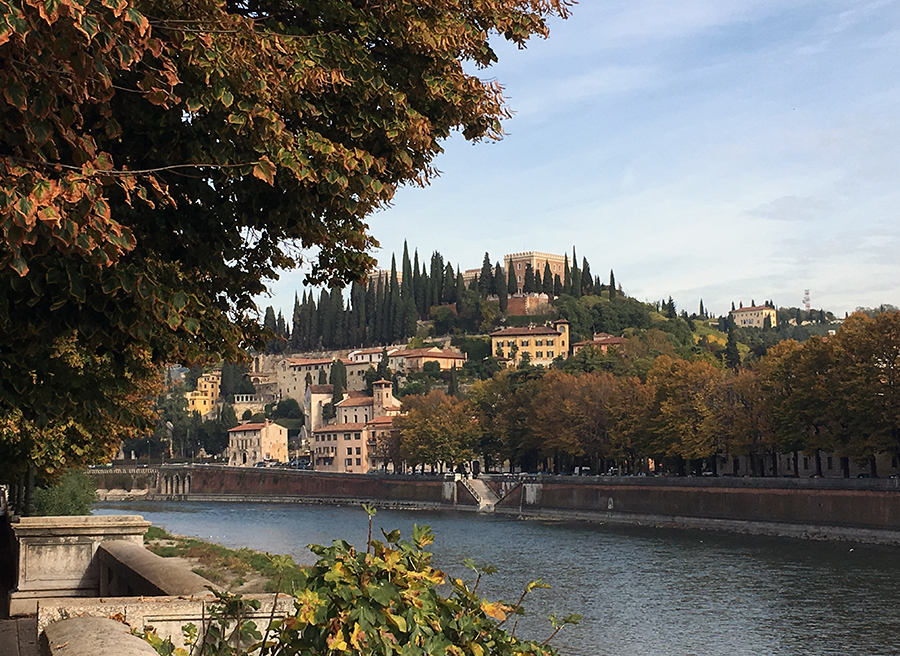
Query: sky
x,y
723,150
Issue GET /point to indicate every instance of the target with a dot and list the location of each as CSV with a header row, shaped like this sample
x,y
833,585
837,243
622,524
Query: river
x,y
642,591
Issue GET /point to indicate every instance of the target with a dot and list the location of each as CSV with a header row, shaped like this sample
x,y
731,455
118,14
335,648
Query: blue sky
x,y
706,149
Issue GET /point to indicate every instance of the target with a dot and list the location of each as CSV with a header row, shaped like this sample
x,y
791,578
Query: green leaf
x,y
227,98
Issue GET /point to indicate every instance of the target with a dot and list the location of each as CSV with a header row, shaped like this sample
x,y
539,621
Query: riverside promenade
x,y
862,510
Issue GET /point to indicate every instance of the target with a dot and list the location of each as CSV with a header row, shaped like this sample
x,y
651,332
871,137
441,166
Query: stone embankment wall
x,y
215,482
849,509
858,509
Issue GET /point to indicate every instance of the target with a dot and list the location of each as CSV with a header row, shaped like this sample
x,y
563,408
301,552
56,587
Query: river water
x,y
642,591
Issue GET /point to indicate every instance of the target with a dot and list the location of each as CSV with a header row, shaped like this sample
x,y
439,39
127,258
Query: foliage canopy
x,y
161,160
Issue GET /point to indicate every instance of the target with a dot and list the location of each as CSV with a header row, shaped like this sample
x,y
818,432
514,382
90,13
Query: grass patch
x,y
225,567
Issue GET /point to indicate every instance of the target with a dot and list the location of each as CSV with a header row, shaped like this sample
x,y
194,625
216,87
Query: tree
x,y
252,132
437,429
528,285
502,294
547,281
512,286
612,286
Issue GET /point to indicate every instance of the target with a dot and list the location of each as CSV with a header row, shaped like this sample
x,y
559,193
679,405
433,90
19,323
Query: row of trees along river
x,y
839,394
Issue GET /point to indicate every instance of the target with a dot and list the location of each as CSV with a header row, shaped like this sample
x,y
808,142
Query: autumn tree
x,y
161,162
686,397
569,412
437,430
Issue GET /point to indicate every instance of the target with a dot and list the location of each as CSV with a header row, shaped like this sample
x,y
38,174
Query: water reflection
x,y
642,591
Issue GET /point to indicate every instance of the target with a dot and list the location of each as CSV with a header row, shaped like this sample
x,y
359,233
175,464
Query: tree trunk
x,y
845,466
774,463
752,459
819,463
873,467
714,465
796,463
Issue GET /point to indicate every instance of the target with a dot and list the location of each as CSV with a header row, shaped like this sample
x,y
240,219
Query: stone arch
x,y
187,484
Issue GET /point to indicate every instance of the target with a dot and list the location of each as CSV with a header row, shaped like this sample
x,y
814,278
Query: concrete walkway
x,y
18,637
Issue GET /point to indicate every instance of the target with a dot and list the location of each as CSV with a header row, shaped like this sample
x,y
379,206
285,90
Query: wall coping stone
x,y
92,636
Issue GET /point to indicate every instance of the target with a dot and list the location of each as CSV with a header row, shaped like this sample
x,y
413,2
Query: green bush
x,y
72,496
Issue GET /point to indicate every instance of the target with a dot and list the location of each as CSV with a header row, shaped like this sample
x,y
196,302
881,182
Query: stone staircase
x,y
483,493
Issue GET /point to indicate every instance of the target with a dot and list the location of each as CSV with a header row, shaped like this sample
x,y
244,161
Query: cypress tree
x,y
486,278
512,286
538,281
502,296
587,280
528,285
453,386
702,310
449,285
269,323
336,301
576,278
460,290
371,312
547,280
418,289
436,276
379,318
557,285
567,276
398,327
732,355
612,285
295,324
407,297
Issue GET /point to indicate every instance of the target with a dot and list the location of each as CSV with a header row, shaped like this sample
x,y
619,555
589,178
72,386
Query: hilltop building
x,y
542,343
754,316
518,263
601,341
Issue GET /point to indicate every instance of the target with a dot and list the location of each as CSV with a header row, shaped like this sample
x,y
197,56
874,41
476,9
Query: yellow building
x,y
542,343
249,444
754,317
538,261
203,400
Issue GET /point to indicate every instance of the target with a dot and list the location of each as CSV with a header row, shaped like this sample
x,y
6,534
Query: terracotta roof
x,y
248,427
754,308
357,394
524,330
384,419
336,428
356,401
303,362
321,389
433,352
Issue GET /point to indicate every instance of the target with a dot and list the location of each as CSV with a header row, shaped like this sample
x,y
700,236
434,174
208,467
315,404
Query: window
x,y
538,354
348,462
358,462
356,436
805,462
549,354
358,451
538,342
524,342
549,342
519,265
349,450
830,464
